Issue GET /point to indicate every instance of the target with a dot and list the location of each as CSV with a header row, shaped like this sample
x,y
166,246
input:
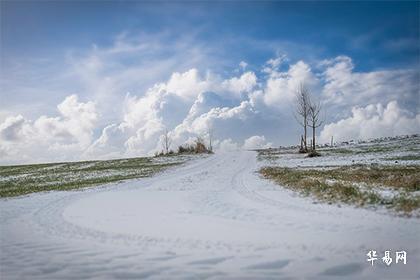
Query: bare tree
x,y
302,110
210,134
166,141
314,120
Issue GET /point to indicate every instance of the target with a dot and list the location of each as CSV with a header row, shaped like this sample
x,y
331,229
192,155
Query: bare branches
x,y
314,120
167,141
307,113
314,115
302,100
210,135
302,104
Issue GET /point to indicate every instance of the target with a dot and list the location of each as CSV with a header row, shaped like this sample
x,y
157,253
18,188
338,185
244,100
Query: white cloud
x,y
281,87
256,142
185,105
227,145
189,102
78,118
272,65
224,120
244,84
110,144
373,121
70,133
11,128
345,87
188,84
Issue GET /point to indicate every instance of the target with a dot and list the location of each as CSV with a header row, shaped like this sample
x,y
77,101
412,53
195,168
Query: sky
x,y
105,79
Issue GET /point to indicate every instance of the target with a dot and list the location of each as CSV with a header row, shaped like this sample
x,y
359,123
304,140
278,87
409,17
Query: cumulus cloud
x,y
227,121
11,128
256,142
63,137
227,145
243,84
243,65
110,144
188,84
345,87
373,121
280,88
247,107
185,105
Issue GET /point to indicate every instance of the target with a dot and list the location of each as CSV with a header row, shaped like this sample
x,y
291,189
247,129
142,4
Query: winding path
x,y
213,218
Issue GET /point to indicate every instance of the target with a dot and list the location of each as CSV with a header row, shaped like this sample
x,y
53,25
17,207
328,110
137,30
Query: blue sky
x,y
99,51
375,34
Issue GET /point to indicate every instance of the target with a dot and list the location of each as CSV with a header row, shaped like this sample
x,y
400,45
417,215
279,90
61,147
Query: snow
x,y
376,152
211,218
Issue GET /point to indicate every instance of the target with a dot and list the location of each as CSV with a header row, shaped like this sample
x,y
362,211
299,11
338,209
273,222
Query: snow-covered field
x,y
213,218
391,151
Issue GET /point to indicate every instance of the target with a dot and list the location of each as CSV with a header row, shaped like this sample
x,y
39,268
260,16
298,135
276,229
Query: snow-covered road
x,y
211,218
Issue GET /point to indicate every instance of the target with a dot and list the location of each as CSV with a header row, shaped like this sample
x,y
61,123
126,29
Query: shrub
x,y
198,147
186,149
314,154
302,151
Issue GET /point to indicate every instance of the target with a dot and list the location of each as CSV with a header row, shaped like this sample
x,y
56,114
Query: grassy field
x,y
358,185
375,174
25,179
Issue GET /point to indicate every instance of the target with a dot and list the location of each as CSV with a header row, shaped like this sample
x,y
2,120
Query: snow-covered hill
x,y
213,218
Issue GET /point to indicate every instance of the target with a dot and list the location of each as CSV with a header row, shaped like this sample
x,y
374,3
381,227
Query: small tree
x,y
302,104
314,120
210,134
167,141
200,147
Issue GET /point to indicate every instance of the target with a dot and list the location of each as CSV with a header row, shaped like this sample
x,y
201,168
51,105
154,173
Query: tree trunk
x,y
301,142
304,139
313,138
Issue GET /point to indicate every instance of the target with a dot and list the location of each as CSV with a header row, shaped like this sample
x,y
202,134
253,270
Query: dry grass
x,y
317,183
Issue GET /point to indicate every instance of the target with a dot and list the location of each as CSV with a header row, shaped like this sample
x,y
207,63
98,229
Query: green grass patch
x,y
360,150
338,150
406,157
24,179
